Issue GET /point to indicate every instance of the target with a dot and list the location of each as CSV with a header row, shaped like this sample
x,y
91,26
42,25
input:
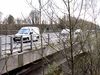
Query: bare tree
x,y
34,15
10,19
77,11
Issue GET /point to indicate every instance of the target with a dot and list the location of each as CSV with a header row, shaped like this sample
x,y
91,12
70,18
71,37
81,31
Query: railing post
x,y
31,42
0,47
59,37
21,43
11,45
48,39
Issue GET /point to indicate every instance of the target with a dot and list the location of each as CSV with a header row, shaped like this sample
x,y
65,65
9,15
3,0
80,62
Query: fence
x,y
11,47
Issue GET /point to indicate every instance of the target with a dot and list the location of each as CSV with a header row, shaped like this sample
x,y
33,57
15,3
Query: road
x,y
5,42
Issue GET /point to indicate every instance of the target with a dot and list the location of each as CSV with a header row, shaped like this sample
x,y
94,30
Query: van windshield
x,y
23,31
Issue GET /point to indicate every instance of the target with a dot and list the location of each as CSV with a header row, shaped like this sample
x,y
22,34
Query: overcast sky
x,y
16,7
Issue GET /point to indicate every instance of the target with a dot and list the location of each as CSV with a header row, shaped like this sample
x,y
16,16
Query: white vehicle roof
x,y
65,31
78,30
29,27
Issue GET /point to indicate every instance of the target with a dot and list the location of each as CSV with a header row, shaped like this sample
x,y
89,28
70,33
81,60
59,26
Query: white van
x,y
65,31
65,34
26,32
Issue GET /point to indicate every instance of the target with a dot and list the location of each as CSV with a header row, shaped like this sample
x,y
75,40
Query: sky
x,y
20,8
14,7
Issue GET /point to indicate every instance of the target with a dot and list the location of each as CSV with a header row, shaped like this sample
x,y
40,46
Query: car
x,y
65,32
77,32
26,32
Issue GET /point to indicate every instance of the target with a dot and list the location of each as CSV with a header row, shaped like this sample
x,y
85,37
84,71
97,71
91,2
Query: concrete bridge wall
x,y
14,61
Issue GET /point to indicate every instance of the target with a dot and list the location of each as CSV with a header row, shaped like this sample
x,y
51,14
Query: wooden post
x,y
11,45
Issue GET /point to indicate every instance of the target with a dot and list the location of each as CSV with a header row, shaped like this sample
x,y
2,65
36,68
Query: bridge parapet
x,y
14,61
